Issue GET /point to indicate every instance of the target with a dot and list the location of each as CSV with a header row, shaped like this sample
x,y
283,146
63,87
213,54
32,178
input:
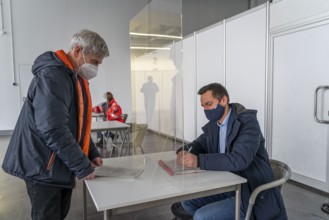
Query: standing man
x,y
51,143
149,89
232,141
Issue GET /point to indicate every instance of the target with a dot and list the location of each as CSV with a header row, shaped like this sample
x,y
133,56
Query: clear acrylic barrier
x,y
156,54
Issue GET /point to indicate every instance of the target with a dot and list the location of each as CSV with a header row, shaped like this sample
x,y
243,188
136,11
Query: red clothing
x,y
112,110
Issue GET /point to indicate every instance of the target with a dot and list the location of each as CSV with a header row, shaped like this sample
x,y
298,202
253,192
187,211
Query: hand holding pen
x,y
181,153
187,158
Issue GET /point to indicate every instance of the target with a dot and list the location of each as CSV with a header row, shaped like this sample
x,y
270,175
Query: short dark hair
x,y
109,95
218,91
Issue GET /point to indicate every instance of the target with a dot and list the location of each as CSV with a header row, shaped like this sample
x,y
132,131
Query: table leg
x,y
237,202
125,140
107,214
84,195
128,141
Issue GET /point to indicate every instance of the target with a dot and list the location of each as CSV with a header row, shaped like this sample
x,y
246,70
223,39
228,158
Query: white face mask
x,y
87,70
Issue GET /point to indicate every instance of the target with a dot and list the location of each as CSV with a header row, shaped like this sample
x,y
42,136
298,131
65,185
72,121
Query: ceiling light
x,y
150,48
155,35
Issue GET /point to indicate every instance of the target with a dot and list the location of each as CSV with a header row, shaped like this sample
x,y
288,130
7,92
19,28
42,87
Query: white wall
x,y
41,25
9,96
246,46
290,11
209,65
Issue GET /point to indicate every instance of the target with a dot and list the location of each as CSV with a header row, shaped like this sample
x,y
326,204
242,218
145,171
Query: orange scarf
x,y
86,139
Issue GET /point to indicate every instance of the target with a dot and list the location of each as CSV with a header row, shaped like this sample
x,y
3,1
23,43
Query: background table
x,y
154,187
98,116
99,126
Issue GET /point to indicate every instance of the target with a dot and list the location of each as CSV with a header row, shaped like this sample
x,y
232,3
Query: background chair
x,y
137,134
115,136
124,117
282,174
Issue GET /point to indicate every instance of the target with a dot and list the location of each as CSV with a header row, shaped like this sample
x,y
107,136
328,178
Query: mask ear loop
x,y
84,57
76,71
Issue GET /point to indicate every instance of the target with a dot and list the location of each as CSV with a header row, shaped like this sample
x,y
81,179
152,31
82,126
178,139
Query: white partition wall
x,y
245,60
177,90
300,65
209,64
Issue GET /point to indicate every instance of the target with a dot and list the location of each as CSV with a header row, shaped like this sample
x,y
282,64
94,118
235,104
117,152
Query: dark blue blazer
x,y
245,156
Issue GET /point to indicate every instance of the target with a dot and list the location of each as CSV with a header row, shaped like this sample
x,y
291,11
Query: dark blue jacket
x,y
48,122
245,156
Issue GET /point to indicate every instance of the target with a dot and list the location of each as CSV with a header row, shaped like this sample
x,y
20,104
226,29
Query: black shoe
x,y
114,136
179,212
100,143
325,207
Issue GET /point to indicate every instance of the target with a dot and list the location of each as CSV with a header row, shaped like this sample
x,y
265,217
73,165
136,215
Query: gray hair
x,y
91,43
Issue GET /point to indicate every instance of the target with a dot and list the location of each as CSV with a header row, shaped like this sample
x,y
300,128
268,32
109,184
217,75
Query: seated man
x,y
111,110
232,141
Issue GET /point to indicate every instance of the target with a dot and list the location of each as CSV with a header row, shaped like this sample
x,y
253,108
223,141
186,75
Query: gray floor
x,y
14,203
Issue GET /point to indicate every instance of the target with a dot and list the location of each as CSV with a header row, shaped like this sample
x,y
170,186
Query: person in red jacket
x,y
112,112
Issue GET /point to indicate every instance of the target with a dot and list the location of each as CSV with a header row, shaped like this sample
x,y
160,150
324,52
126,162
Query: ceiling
x,y
156,26
168,17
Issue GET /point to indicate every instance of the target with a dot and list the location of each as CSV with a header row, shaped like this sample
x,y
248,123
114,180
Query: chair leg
x,y
248,214
111,151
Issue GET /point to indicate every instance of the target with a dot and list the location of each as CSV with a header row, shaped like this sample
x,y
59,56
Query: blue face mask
x,y
215,114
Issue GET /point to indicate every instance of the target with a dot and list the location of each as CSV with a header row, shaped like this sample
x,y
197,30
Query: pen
x,y
189,150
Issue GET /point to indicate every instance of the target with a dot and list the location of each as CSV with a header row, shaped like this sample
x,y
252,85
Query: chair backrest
x,y
138,134
281,171
282,174
124,117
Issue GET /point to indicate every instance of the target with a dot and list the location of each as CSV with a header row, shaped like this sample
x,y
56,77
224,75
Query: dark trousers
x,y
48,203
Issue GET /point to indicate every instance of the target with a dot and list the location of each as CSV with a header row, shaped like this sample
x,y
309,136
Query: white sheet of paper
x,y
118,172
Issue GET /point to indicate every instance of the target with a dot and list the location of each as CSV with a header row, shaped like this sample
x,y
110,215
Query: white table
x,y
113,126
154,187
98,116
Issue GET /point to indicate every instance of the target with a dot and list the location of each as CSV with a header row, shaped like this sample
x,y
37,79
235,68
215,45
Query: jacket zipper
x,y
51,161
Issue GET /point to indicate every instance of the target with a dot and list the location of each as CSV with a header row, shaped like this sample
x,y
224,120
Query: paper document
x,y
172,168
118,172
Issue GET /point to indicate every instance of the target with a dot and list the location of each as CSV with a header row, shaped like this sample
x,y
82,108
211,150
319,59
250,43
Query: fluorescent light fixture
x,y
150,48
155,35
